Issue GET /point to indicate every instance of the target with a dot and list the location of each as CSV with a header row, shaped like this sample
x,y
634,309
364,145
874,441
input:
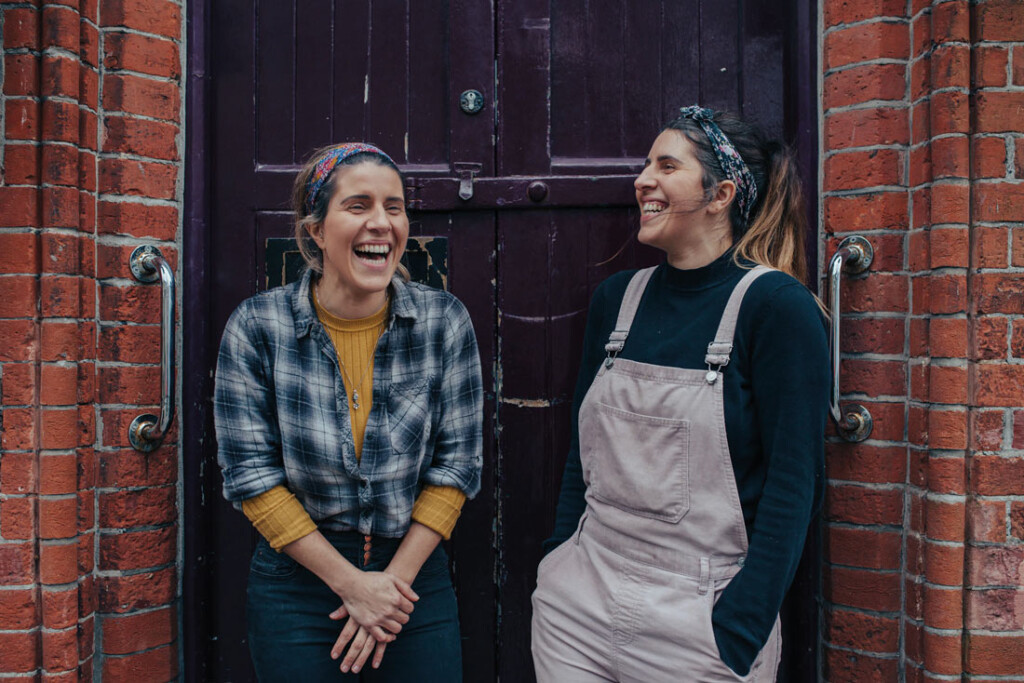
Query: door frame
x,y
200,484
194,413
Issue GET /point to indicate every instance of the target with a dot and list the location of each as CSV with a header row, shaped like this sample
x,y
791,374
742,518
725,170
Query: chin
x,y
649,237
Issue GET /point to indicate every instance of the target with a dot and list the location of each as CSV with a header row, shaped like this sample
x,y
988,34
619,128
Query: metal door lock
x,y
471,101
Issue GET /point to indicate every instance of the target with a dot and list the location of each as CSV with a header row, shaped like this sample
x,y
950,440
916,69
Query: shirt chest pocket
x,y
409,416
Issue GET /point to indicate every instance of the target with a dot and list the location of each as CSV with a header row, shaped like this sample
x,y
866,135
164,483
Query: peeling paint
x,y
529,402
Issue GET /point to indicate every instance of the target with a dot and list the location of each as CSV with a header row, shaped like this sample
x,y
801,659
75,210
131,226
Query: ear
x,y
316,231
723,197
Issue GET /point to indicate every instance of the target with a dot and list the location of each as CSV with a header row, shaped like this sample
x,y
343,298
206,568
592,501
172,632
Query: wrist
x,y
402,571
344,579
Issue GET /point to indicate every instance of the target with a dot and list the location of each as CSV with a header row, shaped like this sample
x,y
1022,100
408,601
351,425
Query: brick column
x,y
925,561
90,141
48,195
865,139
139,201
994,599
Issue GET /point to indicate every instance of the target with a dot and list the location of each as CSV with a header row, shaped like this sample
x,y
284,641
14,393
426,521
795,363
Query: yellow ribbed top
x,y
354,342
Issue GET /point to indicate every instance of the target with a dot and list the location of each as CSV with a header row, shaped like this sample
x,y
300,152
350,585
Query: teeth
x,y
374,248
651,207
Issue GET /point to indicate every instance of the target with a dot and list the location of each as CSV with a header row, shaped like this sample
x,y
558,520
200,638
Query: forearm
x,y
315,553
419,542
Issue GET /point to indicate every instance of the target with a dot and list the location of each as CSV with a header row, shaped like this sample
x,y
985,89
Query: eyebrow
x,y
367,197
663,157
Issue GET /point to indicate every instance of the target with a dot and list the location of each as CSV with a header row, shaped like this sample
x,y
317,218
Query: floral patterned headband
x,y
334,156
732,163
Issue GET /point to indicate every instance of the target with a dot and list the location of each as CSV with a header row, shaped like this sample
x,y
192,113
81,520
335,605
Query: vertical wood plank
x,y
569,73
350,55
605,52
431,101
680,57
388,76
763,83
644,83
275,84
719,54
523,96
314,76
471,56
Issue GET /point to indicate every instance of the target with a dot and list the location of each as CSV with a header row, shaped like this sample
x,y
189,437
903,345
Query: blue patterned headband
x,y
334,156
732,163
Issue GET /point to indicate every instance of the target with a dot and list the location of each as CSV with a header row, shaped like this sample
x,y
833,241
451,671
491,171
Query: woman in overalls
x,y
348,412
698,428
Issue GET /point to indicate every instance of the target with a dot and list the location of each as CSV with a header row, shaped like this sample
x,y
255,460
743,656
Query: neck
x,y
342,302
704,247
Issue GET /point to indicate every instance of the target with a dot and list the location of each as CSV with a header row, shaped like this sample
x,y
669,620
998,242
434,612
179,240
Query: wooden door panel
x,y
575,92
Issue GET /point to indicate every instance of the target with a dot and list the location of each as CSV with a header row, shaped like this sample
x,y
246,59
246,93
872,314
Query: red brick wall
x,y
91,142
923,111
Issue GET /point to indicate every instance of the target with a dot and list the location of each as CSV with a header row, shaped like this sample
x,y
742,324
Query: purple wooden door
x,y
574,91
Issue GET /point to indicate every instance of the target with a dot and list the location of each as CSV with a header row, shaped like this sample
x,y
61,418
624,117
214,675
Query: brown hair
x,y
775,234
305,219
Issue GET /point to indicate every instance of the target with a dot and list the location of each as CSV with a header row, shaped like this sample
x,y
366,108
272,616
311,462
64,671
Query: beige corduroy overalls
x,y
629,596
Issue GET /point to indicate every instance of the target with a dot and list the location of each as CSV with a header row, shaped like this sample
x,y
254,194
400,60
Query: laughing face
x,y
363,233
670,192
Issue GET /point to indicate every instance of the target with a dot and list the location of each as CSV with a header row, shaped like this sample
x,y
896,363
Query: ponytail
x,y
775,237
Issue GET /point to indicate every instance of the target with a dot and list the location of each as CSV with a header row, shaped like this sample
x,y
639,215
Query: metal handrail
x,y
855,254
147,431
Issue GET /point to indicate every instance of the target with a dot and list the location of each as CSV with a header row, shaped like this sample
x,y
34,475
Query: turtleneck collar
x,y
718,271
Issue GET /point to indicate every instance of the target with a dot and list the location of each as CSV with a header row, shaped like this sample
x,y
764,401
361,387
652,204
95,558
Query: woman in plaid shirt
x,y
348,412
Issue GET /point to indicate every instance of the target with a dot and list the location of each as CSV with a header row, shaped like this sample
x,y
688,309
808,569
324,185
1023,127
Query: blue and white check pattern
x,y
281,412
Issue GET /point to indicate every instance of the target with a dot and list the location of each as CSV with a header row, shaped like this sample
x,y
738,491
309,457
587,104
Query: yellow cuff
x,y
279,516
438,508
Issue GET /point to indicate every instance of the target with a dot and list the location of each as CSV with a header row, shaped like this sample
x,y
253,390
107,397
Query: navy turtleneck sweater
x,y
776,401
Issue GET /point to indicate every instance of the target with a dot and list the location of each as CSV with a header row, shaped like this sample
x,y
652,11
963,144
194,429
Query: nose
x,y
378,219
645,180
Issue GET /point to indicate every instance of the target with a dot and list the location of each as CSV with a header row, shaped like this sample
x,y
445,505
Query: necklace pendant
x,y
355,399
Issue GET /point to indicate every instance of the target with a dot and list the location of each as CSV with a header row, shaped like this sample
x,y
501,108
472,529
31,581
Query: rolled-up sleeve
x,y
458,446
245,415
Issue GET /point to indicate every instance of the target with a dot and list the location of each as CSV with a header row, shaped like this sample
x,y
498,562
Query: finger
x,y
354,650
364,655
378,655
405,605
405,589
346,635
339,613
392,626
380,635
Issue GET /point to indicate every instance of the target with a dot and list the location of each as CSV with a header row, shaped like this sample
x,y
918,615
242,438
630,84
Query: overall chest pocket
x,y
637,463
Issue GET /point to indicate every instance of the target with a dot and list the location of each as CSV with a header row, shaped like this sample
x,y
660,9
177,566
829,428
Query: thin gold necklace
x,y
345,375
348,378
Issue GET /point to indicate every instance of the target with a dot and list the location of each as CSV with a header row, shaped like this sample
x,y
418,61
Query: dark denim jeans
x,y
290,634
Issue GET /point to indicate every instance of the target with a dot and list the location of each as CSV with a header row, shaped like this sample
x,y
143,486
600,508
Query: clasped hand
x,y
377,605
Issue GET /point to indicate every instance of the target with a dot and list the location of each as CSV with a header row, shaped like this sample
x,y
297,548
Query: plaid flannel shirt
x,y
281,411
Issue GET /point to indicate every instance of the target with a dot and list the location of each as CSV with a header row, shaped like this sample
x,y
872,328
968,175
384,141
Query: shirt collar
x,y
402,305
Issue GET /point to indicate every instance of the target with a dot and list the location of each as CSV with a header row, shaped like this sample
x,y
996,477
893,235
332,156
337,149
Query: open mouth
x,y
652,208
375,254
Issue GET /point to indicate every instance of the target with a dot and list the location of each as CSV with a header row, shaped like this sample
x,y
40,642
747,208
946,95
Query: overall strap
x,y
720,349
627,311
